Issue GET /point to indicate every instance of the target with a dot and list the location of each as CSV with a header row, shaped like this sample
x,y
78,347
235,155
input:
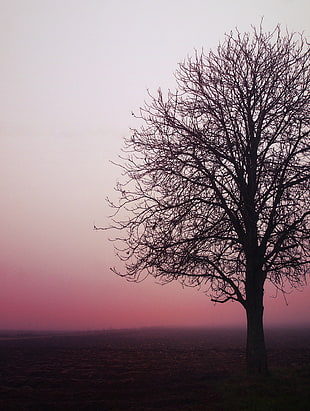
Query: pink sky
x,y
71,73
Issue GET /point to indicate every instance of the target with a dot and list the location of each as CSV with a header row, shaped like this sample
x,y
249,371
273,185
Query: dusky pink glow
x,y
71,72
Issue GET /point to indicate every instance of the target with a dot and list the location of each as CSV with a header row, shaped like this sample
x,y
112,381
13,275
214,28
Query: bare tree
x,y
217,177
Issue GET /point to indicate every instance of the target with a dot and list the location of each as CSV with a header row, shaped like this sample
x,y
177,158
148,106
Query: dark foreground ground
x,y
149,369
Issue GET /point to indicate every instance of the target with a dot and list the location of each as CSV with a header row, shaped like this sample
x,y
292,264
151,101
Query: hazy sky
x,y
71,72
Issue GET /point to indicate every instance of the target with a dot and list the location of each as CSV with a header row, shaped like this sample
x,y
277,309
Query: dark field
x,y
149,369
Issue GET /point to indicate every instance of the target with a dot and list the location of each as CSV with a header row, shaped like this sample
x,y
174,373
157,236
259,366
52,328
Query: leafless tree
x,y
217,177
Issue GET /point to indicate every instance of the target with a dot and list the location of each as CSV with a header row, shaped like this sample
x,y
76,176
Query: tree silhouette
x,y
217,177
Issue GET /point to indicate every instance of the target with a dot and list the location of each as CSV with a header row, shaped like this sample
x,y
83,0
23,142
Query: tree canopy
x,y
223,156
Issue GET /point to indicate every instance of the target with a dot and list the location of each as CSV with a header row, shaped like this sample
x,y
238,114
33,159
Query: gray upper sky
x,y
77,66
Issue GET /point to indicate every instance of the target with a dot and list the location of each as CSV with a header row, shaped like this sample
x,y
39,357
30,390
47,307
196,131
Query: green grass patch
x,y
284,390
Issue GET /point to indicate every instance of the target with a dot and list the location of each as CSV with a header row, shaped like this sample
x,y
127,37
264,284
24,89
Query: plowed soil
x,y
147,369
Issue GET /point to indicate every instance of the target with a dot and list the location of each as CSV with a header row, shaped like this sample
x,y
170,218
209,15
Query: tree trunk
x,y
256,354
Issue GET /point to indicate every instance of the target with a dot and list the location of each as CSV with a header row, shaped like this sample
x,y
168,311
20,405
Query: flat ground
x,y
149,369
